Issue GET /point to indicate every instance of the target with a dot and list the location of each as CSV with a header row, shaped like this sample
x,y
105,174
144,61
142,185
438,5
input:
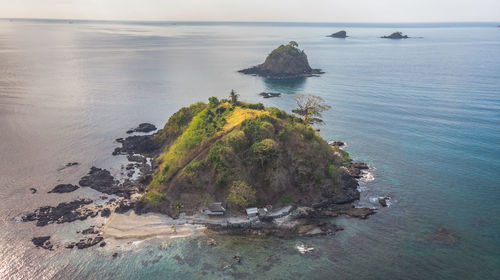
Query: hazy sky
x,y
257,10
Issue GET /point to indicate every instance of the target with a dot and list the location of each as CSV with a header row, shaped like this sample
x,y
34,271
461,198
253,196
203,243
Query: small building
x,y
252,212
215,209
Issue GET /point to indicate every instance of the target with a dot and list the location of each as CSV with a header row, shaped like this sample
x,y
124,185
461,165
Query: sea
x,y
424,112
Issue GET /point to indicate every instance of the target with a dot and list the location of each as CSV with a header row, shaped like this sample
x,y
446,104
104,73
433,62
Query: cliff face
x,y
285,62
246,155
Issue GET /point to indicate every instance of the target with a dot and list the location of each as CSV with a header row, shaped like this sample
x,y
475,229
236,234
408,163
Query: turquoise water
x,y
425,112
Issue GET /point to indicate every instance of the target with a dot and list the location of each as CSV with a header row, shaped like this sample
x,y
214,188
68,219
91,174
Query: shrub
x,y
265,151
155,197
241,194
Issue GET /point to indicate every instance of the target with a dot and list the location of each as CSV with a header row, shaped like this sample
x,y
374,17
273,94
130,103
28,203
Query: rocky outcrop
x,y
285,62
340,34
143,127
139,144
86,242
270,94
64,188
101,180
62,213
43,242
396,35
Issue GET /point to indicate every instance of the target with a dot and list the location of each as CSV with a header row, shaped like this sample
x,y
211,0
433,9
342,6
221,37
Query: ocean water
x,y
424,112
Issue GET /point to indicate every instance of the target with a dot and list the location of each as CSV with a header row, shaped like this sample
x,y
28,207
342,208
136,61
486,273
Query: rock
x,y
237,258
69,164
136,158
90,230
102,181
33,190
42,242
270,94
361,213
103,243
383,201
336,143
64,188
145,127
124,206
106,212
396,35
360,165
70,245
285,62
62,213
340,34
138,144
89,242
115,255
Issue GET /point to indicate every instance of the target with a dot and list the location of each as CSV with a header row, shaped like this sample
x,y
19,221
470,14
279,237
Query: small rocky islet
x,y
340,34
284,62
395,35
296,168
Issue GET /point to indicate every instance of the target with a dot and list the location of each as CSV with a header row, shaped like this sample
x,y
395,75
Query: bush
x,y
155,197
241,195
265,151
236,139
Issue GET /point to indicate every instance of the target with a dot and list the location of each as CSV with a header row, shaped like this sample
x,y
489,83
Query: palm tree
x,y
234,97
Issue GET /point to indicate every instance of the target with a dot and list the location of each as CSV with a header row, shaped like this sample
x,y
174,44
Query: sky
x,y
257,10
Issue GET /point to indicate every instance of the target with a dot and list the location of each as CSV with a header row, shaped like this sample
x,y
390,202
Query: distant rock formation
x,y
396,35
340,34
285,62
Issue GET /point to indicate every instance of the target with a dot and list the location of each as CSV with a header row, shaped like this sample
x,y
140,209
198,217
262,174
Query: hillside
x,y
284,62
244,155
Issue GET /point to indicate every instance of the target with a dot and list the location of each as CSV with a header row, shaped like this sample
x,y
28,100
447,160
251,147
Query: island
x,y
285,62
222,167
396,35
340,34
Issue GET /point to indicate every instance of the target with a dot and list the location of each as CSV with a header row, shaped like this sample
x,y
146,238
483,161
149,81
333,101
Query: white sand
x,y
130,225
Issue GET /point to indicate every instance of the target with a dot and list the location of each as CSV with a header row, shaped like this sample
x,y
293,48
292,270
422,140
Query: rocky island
x,y
285,62
396,35
340,34
223,167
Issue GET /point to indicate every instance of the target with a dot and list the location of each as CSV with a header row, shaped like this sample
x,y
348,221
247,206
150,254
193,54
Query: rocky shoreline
x,y
298,221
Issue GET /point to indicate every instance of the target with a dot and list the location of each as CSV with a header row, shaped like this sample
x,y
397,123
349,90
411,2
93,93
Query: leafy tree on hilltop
x,y
310,108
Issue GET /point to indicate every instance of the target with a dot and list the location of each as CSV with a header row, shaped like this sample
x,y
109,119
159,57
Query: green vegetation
x,y
241,195
243,154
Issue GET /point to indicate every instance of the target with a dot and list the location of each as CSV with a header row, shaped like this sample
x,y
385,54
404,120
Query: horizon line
x,y
249,22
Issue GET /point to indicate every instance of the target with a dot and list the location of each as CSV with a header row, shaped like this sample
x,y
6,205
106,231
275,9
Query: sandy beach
x,y
130,225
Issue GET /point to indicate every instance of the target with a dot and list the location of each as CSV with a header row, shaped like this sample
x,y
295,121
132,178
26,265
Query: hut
x,y
252,212
215,209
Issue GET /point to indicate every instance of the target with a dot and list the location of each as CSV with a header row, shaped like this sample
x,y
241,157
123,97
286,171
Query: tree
x,y
293,44
234,97
310,108
241,194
